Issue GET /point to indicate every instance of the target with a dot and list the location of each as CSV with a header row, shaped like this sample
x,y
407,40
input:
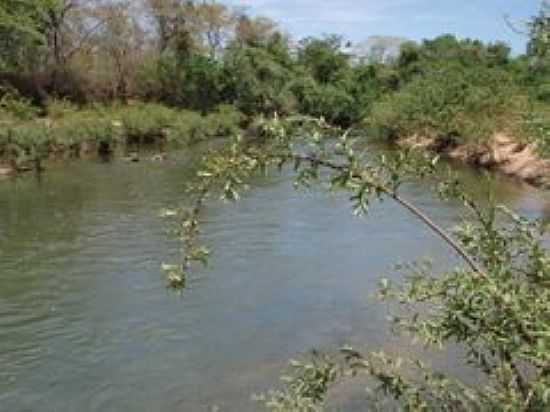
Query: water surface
x,y
87,324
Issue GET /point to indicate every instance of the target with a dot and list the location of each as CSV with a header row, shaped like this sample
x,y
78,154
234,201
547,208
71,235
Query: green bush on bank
x,y
14,107
465,104
66,128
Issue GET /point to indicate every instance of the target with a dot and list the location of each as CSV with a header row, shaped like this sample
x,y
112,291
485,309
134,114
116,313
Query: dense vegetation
x,y
80,73
197,56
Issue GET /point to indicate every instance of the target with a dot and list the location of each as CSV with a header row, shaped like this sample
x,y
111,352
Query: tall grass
x,y
66,128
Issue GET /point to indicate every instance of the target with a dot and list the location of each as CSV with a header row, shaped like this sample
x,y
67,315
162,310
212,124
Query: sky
x,y
412,19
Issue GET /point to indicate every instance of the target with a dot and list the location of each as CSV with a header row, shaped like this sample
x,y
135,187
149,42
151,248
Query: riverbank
x,y
501,153
65,132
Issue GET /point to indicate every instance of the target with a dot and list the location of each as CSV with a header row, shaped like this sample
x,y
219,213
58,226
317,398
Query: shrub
x,y
224,121
145,121
13,106
256,80
331,102
191,127
188,127
58,109
543,92
66,129
457,102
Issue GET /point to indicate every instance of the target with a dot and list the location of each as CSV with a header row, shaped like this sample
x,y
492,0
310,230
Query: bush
x,y
461,103
67,129
13,106
224,121
191,127
144,122
256,81
331,102
193,82
543,92
57,109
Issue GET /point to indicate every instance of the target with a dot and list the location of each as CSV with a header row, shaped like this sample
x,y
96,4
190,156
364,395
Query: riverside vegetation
x,y
67,131
184,60
201,70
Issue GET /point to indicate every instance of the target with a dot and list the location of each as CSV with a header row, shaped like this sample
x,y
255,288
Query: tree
x,y
539,35
215,25
169,17
195,83
254,32
324,58
20,33
120,40
257,75
496,305
208,22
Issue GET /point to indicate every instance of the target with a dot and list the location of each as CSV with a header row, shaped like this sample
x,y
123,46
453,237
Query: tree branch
x,y
408,206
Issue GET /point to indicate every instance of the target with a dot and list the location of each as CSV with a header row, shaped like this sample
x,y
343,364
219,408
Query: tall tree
x,y
216,22
20,32
120,41
254,31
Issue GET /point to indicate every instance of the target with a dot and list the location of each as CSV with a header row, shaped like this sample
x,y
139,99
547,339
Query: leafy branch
x,y
497,307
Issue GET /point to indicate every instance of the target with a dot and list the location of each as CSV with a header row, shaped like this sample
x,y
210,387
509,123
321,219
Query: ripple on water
x,y
87,324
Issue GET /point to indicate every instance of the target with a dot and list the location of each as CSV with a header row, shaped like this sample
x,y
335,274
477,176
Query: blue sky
x,y
413,19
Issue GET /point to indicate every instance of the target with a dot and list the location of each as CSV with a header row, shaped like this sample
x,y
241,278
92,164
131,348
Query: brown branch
x,y
408,206
83,40
437,229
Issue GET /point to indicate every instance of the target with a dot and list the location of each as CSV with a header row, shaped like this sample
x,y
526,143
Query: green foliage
x,y
496,307
20,31
306,387
204,61
194,82
464,104
539,40
458,91
67,129
14,107
447,50
537,125
328,86
144,121
500,316
224,121
257,79
324,58
332,102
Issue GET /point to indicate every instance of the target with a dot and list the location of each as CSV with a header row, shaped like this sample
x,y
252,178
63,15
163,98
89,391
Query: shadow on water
x,y
86,323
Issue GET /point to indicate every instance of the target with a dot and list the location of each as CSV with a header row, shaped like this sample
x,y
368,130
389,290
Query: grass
x,y
65,129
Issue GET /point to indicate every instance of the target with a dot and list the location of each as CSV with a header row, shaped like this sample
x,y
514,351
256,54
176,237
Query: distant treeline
x,y
198,55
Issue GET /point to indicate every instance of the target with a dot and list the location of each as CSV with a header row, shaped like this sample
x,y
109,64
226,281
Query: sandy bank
x,y
501,153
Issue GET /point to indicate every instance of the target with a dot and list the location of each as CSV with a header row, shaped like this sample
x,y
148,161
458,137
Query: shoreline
x,y
501,153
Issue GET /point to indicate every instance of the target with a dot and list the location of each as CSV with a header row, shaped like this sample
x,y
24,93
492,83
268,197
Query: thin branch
x,y
437,229
83,40
408,206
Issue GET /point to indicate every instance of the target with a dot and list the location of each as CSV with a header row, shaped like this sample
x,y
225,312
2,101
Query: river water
x,y
86,320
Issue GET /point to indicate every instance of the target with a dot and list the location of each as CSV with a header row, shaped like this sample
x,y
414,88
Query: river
x,y
86,320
